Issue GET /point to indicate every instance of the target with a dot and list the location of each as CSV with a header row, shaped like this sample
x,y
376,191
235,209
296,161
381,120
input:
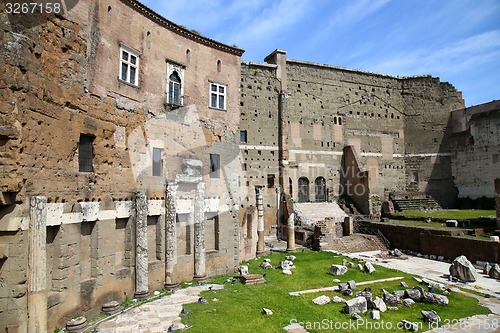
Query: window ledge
x,y
128,83
217,109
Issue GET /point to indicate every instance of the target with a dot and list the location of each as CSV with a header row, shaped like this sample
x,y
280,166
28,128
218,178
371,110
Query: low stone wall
x,y
427,241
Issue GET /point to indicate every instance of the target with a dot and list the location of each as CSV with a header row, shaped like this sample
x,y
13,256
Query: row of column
x,y
37,254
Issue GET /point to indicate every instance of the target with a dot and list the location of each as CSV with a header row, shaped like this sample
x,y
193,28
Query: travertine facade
x,y
100,110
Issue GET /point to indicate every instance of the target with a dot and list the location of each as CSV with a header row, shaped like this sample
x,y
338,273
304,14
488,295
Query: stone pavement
x,y
155,316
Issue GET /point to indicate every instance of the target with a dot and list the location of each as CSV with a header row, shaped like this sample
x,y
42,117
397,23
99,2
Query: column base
x,y
171,286
141,294
200,278
259,253
291,249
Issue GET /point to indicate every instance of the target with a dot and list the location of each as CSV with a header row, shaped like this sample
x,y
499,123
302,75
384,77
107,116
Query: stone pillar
x,y
141,246
290,240
37,266
259,190
279,212
199,233
497,200
348,226
170,236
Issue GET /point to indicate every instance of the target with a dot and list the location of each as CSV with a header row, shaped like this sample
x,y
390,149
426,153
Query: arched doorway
x,y
320,189
303,189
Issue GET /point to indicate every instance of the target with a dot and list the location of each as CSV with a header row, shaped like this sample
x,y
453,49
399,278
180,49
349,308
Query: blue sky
x,y
455,40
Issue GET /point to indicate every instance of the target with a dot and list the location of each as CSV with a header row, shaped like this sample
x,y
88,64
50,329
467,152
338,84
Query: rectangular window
x,y
157,165
243,136
214,166
243,166
85,153
270,181
217,96
129,66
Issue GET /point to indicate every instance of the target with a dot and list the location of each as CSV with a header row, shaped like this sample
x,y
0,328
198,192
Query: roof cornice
x,y
153,16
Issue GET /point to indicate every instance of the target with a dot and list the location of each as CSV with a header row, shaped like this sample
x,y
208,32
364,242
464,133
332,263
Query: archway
x,y
303,189
320,189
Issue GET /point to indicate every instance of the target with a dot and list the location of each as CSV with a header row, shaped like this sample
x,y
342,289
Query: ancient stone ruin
x,y
136,154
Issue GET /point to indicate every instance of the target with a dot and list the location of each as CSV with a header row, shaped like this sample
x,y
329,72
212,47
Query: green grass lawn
x,y
450,213
239,306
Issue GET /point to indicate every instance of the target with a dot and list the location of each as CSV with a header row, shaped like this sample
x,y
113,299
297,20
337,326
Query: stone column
x,y
278,213
259,190
170,236
37,265
290,240
497,200
141,246
199,233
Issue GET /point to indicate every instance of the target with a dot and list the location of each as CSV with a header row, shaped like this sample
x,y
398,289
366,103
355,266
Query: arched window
x,y
219,66
174,89
290,187
303,189
320,189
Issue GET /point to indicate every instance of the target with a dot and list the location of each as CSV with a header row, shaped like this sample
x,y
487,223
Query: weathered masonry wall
x,y
258,142
440,245
398,127
331,107
476,149
427,107
59,82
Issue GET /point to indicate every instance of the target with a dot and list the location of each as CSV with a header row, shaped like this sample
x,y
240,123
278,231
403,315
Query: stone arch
x,y
320,189
303,189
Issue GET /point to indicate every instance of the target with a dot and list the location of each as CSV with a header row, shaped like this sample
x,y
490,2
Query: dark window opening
x,y
270,181
86,153
214,166
243,136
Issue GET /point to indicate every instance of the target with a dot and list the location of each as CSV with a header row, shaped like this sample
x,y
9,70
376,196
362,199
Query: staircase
x,y
310,214
415,204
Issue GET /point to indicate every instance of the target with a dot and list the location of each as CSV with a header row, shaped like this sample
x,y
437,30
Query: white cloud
x,y
450,58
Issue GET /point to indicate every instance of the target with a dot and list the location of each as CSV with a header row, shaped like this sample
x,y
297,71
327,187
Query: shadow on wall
x,y
440,185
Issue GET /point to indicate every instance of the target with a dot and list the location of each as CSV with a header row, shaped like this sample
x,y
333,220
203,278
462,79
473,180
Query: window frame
x,y
127,62
178,69
171,91
217,95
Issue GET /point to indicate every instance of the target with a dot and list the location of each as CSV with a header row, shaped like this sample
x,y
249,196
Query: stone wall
x,y
59,81
398,127
476,153
422,241
427,104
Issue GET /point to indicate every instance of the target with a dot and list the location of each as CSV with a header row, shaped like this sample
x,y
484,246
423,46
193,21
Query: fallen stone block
x,y
321,300
357,304
463,269
430,316
338,270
